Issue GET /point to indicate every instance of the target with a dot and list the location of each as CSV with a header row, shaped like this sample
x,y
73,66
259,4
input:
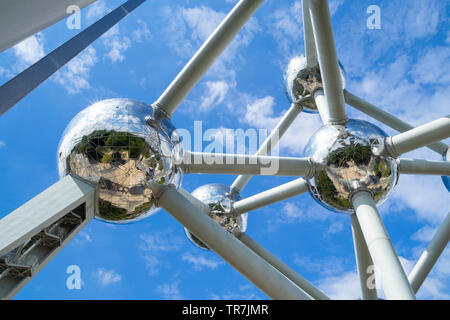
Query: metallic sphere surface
x,y
446,179
347,161
111,144
218,198
301,82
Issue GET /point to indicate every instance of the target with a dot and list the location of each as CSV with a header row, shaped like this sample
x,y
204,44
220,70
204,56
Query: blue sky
x,y
402,68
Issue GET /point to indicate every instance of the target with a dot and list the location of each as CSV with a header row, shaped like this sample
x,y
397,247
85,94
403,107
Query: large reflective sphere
x,y
347,162
301,82
111,144
217,197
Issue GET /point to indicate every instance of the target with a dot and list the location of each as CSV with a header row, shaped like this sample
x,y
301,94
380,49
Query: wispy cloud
x,y
186,31
327,266
199,262
107,277
154,246
142,32
160,241
344,286
29,50
260,113
82,238
245,292
152,264
74,77
170,291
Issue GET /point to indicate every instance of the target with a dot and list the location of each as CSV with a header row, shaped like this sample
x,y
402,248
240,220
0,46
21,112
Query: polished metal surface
x,y
301,82
111,144
446,179
347,162
218,198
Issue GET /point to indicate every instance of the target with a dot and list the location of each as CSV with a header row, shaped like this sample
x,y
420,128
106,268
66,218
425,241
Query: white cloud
x,y
424,234
97,10
435,286
427,196
285,25
74,76
246,292
152,264
327,266
2,144
298,212
142,32
335,227
115,44
29,50
200,262
334,6
215,94
82,238
235,296
260,114
5,73
188,28
429,70
170,291
160,241
344,286
107,277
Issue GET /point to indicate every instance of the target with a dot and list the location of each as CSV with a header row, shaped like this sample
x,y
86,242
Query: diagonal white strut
x,y
429,257
206,55
328,62
394,282
248,263
387,119
308,37
363,261
418,137
265,198
271,141
304,284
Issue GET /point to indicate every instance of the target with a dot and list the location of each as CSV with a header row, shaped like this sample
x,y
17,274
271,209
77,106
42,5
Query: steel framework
x,y
59,206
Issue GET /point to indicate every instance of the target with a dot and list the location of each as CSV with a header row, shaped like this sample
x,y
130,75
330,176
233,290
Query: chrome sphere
x,y
111,144
301,82
347,161
446,179
218,198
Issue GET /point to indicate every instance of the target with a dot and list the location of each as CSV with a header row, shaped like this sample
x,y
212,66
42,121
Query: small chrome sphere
x,y
112,144
347,161
301,82
218,198
446,179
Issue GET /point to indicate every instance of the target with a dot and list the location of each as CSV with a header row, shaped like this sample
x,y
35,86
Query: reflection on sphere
x,y
217,197
348,161
110,144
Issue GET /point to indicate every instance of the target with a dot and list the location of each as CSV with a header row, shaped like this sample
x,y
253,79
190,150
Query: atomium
x,y
301,82
112,144
219,199
347,161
